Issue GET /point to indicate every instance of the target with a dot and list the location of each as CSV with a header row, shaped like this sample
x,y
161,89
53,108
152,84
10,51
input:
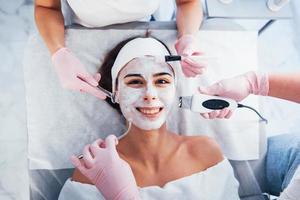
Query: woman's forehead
x,y
145,66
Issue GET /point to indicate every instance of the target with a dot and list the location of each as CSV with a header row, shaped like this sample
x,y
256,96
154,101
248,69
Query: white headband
x,y
139,47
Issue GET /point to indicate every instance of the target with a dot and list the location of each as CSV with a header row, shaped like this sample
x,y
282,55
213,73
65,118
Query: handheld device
x,y
107,93
174,58
202,103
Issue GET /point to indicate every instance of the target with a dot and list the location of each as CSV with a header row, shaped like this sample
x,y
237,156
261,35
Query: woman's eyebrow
x,y
162,74
130,75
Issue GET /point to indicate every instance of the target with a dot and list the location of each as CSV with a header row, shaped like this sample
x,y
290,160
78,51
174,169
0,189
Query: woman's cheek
x,y
167,95
130,96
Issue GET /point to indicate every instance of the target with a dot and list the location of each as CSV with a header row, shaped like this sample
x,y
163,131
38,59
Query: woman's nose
x,y
149,98
151,94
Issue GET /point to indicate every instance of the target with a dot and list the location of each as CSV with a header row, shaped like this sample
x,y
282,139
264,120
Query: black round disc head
x,y
215,104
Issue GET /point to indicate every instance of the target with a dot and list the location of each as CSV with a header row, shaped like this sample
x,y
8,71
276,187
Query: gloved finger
x,y
92,90
213,114
192,73
191,67
193,70
97,77
187,72
188,50
96,146
87,157
229,114
196,71
215,89
205,115
76,162
205,90
97,143
88,78
194,63
111,141
197,53
223,113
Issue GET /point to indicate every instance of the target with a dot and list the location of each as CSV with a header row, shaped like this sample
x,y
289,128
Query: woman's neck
x,y
151,148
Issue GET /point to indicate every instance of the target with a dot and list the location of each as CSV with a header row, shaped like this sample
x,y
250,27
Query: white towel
x,y
215,183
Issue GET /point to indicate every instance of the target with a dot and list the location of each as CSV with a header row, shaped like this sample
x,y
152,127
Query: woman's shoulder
x,y
204,148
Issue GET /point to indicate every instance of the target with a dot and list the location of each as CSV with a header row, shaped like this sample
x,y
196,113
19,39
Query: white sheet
x,y
215,183
61,122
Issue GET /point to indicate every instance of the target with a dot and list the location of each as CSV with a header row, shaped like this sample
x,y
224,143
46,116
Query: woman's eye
x,y
135,82
162,81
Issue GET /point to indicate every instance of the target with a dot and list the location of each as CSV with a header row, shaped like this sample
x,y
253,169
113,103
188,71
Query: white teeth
x,y
149,110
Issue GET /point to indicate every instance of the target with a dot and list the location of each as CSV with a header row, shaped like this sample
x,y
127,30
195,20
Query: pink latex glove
x,y
72,74
237,88
107,171
186,46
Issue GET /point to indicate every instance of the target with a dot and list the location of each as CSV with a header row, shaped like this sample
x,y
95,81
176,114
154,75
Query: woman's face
x,y
145,92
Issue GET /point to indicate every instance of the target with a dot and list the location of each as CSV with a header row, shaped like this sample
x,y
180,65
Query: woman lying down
x,y
149,161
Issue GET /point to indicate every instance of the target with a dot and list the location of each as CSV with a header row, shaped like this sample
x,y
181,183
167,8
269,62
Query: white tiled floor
x,y
16,19
279,50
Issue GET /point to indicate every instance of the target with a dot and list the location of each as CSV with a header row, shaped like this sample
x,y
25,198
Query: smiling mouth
x,y
151,112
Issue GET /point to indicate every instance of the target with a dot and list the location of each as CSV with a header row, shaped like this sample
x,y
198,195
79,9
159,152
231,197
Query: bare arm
x,y
79,177
189,16
50,23
285,86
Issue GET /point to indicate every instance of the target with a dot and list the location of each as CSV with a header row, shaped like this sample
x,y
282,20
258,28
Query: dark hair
x,y
105,68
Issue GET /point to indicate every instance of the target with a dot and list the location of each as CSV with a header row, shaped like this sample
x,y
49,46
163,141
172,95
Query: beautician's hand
x,y
73,75
111,175
186,46
237,88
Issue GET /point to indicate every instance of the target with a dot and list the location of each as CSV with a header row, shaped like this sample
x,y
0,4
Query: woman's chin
x,y
148,121
149,125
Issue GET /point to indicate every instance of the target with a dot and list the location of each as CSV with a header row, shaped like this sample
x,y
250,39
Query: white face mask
x,y
145,92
